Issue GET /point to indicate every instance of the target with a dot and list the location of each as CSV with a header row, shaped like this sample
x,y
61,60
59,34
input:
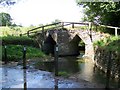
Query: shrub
x,y
112,43
16,40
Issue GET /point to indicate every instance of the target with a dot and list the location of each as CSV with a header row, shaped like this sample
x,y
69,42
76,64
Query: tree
x,y
107,13
5,19
8,2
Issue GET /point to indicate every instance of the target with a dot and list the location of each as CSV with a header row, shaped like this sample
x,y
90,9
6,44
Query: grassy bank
x,y
112,43
15,52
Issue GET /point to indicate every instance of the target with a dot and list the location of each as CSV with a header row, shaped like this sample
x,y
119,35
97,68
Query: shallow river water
x,y
16,77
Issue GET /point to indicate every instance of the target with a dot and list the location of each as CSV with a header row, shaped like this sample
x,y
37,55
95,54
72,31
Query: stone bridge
x,y
68,41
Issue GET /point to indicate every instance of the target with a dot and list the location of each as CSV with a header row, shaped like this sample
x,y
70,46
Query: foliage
x,y
63,74
15,52
16,40
13,30
8,2
5,19
112,43
107,13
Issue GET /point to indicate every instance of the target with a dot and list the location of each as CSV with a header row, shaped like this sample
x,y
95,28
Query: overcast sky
x,y
35,12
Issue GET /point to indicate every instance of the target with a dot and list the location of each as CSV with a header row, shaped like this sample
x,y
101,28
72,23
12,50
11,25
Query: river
x,y
16,77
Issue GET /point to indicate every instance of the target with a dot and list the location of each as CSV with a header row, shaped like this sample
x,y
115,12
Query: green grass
x,y
16,40
112,43
15,52
63,74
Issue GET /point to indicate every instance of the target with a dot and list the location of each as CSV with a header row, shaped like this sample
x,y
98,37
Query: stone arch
x,y
49,44
75,42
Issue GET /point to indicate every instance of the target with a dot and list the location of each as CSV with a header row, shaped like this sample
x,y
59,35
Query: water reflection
x,y
4,76
56,83
25,79
69,65
86,71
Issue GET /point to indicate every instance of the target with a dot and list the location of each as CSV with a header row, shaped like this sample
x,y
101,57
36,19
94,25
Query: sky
x,y
35,12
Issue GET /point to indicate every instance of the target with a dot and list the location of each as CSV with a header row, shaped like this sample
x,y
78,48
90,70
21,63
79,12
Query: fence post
x,y
20,35
73,25
56,54
43,33
62,24
116,34
90,31
56,59
5,53
56,84
108,74
24,58
28,33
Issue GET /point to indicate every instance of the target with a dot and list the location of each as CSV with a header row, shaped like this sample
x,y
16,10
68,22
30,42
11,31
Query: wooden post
x,y
43,36
24,58
56,54
96,28
43,33
5,53
90,31
20,35
25,81
108,74
90,24
116,34
73,25
28,33
62,24
56,59
56,84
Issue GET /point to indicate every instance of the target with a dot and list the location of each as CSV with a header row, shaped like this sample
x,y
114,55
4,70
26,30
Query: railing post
x,y
24,58
43,32
56,55
72,25
90,31
25,77
5,53
28,33
20,35
56,60
116,34
56,84
62,24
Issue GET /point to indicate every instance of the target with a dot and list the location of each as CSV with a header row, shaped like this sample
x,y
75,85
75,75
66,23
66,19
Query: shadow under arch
x,y
48,47
77,44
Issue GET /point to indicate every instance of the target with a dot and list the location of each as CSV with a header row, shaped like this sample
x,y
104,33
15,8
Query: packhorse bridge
x,y
67,35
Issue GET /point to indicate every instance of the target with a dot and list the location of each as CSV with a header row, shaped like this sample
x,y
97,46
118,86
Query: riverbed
x,y
16,77
82,75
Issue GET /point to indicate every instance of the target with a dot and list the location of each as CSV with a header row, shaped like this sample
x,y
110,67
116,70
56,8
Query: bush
x,y
112,43
16,40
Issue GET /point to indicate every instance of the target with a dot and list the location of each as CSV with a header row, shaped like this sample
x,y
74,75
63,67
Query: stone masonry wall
x,y
102,57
